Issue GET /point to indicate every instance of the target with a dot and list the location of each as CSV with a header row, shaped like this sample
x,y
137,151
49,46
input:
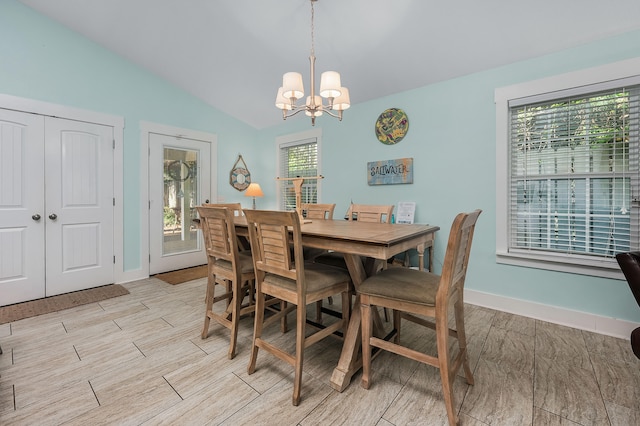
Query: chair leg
x,y
365,312
284,326
397,323
442,335
257,331
462,340
319,311
235,317
301,320
211,283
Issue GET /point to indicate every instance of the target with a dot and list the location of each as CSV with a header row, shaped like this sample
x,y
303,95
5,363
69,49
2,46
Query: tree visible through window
x,y
573,171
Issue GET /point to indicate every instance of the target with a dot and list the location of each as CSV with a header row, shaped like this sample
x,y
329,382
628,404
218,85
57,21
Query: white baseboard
x,y
576,319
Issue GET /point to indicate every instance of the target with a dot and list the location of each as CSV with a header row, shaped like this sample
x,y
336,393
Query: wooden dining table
x,y
364,245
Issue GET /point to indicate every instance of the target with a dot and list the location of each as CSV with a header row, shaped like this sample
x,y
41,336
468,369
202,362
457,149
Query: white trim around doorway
x,y
117,123
145,129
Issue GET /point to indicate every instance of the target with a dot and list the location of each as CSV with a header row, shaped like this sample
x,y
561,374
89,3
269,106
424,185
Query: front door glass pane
x,y
180,200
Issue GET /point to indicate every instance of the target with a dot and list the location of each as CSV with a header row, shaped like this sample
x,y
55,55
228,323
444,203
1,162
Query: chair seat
x,y
246,263
403,285
318,277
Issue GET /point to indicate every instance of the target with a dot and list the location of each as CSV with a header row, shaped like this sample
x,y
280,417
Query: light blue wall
x,y
451,138
42,60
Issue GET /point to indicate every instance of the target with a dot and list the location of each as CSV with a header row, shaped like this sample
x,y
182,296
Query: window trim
x,y
548,88
296,139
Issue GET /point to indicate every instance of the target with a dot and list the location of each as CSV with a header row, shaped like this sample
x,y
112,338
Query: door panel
x,y
22,271
79,202
179,180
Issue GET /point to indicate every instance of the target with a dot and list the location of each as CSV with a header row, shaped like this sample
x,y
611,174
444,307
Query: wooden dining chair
x,y
236,208
292,280
227,267
411,293
317,211
362,213
370,213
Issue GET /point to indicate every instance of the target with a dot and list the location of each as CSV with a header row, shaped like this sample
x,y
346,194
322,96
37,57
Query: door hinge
x,y
149,258
114,201
114,144
114,260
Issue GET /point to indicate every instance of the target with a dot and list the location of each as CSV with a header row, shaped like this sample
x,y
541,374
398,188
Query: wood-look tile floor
x,y
139,360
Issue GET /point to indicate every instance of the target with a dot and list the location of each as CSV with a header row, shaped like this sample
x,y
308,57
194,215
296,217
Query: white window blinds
x,y
574,181
298,159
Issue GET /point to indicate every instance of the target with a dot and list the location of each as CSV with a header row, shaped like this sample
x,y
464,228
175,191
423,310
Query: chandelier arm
x,y
338,115
297,111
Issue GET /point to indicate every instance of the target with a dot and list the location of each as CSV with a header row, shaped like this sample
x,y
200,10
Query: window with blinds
x,y
298,159
573,175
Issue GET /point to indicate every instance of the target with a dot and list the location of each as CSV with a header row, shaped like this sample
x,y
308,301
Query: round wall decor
x,y
391,126
179,170
239,177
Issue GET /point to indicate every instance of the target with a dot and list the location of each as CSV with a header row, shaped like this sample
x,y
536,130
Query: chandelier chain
x,y
313,50
292,89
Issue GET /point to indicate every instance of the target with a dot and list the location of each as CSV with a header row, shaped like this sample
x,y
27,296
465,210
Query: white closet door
x,y
22,216
79,205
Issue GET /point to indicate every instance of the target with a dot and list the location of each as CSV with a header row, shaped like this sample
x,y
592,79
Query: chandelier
x,y
330,88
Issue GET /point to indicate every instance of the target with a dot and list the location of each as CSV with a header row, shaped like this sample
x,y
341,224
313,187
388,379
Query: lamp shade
x,y
282,102
342,102
330,84
253,190
292,86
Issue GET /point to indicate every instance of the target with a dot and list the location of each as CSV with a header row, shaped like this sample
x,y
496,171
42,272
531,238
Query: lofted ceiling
x,y
232,53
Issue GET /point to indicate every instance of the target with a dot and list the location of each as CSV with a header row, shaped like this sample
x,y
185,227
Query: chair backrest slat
x,y
370,213
236,208
318,211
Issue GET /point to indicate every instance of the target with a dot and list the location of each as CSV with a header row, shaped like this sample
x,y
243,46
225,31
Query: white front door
x,y
179,180
79,205
22,214
56,206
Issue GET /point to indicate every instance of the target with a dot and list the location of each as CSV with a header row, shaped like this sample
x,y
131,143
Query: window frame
x,y
578,82
294,139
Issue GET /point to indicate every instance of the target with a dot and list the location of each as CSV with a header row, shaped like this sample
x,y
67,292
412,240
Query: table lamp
x,y
254,191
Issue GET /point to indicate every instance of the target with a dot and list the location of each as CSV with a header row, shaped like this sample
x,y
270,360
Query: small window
x,y
298,158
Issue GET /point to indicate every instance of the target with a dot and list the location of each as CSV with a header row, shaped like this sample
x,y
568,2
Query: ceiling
x,y
232,53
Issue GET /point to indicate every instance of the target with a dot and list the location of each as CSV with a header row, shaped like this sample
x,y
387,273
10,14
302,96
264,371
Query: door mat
x,y
60,302
183,275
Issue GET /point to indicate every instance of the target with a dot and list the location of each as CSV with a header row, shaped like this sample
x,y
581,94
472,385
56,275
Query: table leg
x,y
350,362
420,249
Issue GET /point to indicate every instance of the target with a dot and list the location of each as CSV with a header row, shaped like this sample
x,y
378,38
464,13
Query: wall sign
x,y
390,172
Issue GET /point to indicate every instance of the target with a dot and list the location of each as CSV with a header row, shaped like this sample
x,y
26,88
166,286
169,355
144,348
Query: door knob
x,y
36,217
206,201
53,216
